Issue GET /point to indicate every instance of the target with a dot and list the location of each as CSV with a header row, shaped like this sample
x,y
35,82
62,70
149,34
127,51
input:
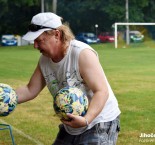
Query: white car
x,y
136,36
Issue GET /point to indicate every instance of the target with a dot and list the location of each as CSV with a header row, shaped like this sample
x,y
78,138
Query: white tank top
x,y
66,73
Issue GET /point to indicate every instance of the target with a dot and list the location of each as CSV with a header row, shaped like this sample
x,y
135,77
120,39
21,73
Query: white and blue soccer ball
x,y
70,100
8,99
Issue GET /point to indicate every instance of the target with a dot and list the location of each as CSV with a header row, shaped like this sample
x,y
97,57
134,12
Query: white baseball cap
x,y
40,23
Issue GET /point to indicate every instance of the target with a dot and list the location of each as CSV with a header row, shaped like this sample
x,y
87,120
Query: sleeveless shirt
x,y
66,73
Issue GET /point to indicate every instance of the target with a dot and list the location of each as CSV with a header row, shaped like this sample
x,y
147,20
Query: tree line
x,y
82,15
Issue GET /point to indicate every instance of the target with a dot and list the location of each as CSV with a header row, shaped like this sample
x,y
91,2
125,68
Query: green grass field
x,y
130,71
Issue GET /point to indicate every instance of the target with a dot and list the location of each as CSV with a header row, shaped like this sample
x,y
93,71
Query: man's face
x,y
45,43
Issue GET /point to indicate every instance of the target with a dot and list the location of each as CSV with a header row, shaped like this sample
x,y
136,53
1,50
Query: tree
x,y
82,15
16,15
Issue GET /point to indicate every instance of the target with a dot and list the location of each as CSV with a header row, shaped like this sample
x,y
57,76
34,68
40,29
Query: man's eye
x,y
40,41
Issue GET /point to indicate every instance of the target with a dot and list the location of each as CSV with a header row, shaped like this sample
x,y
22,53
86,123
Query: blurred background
x,y
83,16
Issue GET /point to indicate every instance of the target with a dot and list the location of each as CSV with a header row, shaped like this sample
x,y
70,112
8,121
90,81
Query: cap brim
x,y
30,36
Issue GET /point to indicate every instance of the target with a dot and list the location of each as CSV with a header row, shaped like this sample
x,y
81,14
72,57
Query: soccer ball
x,y
70,100
8,99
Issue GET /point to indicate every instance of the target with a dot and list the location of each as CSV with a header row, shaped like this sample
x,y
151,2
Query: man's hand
x,y
75,121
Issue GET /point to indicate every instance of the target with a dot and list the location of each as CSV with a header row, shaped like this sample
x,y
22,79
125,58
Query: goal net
x,y
133,33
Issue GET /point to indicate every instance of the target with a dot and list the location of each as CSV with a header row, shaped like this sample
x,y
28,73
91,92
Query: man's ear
x,y
57,34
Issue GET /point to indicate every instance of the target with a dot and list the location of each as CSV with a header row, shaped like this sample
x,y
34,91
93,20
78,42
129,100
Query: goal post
x,y
125,24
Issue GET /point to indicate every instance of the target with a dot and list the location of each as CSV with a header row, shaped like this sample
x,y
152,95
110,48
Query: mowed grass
x,y
130,71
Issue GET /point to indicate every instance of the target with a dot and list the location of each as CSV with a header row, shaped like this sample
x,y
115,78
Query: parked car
x,y
8,40
135,36
106,37
88,38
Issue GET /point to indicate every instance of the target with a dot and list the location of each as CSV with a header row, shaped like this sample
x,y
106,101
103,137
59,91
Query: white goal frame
x,y
126,24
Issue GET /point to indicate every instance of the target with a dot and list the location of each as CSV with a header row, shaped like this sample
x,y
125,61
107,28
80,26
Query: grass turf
x,y
130,72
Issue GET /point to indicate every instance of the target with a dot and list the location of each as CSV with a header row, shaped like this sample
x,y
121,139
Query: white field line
x,y
23,134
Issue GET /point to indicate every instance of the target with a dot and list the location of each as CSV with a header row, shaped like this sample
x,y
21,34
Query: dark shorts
x,y
101,134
